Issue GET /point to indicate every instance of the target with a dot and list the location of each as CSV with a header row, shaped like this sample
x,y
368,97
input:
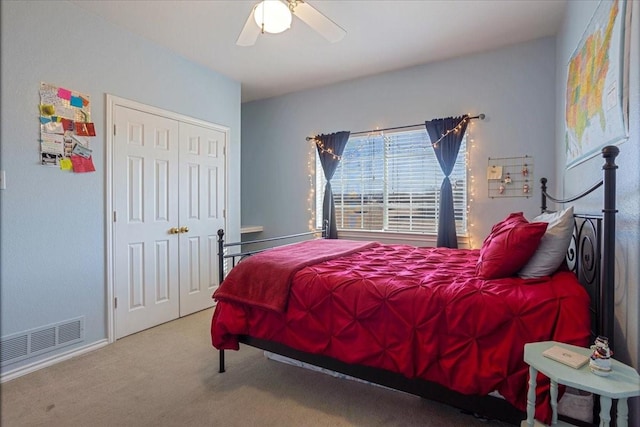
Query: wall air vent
x,y
23,345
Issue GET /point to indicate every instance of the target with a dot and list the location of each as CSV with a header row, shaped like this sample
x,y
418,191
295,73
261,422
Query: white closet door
x,y
145,189
201,204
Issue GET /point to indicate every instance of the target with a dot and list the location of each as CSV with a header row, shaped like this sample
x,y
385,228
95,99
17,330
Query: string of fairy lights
x,y
471,184
322,149
456,129
471,187
311,168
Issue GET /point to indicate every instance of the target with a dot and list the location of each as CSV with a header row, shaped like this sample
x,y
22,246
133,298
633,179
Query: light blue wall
x,y
52,223
627,344
513,86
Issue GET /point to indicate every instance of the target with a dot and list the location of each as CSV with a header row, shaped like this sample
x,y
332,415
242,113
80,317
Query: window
x,y
391,182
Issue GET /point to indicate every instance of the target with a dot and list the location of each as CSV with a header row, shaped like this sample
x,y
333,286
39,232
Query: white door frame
x,y
111,102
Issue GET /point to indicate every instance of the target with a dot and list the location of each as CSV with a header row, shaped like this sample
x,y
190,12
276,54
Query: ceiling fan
x,y
274,16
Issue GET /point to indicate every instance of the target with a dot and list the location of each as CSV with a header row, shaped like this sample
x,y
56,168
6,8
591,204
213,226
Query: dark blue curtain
x,y
330,148
446,137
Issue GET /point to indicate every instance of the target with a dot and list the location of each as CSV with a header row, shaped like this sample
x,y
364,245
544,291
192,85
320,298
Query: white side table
x,y
622,383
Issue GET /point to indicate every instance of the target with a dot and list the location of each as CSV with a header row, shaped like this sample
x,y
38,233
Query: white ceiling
x,y
381,36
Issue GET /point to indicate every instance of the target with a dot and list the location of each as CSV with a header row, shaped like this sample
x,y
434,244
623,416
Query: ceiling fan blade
x,y
316,20
249,33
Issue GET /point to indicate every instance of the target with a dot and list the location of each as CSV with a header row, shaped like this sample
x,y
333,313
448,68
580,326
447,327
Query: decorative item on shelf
x,y
525,188
501,188
525,170
507,179
600,361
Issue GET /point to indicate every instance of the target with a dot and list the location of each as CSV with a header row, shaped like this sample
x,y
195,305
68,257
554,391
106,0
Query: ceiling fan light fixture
x,y
272,16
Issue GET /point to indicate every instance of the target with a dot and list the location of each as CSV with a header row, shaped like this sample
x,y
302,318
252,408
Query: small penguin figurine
x,y
600,360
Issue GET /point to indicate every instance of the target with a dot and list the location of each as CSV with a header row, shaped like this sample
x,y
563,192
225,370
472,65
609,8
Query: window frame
x,y
401,236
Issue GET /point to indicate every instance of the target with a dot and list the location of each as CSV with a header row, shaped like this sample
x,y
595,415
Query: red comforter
x,y
420,312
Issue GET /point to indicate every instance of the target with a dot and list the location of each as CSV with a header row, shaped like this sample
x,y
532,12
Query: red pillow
x,y
509,246
514,218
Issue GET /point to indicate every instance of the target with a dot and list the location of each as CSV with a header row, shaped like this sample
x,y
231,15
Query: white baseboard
x,y
32,367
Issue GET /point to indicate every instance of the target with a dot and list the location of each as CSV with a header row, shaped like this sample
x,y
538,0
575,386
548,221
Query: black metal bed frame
x,y
591,257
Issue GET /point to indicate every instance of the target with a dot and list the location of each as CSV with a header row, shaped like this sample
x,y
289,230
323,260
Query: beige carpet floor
x,y
167,376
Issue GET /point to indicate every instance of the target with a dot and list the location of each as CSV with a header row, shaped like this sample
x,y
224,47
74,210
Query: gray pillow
x,y
553,245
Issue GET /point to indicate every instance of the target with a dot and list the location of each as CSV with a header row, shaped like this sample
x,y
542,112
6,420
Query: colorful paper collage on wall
x,y
65,129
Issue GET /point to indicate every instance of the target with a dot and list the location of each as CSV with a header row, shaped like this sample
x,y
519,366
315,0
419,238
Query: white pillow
x,y
553,245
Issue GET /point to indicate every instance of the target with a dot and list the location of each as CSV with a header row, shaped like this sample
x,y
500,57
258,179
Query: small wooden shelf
x,y
246,229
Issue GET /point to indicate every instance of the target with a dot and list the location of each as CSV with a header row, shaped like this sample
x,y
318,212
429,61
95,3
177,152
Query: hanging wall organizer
x,y
510,176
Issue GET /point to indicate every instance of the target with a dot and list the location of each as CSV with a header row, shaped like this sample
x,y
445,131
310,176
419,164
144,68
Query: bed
x,y
439,323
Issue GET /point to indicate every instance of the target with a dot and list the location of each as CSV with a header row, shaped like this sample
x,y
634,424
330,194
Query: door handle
x,y
174,230
184,229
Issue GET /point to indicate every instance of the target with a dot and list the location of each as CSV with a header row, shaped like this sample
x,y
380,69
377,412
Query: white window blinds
x,y
391,183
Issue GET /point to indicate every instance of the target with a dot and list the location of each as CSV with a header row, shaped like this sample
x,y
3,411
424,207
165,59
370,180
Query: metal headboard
x,y
592,252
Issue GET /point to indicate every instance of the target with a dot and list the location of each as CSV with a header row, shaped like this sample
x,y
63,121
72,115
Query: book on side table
x,y
568,357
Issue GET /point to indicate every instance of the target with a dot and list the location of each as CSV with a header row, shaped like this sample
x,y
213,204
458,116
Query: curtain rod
x,y
480,116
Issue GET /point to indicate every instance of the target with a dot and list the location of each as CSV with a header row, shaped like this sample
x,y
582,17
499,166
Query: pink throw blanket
x,y
264,279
